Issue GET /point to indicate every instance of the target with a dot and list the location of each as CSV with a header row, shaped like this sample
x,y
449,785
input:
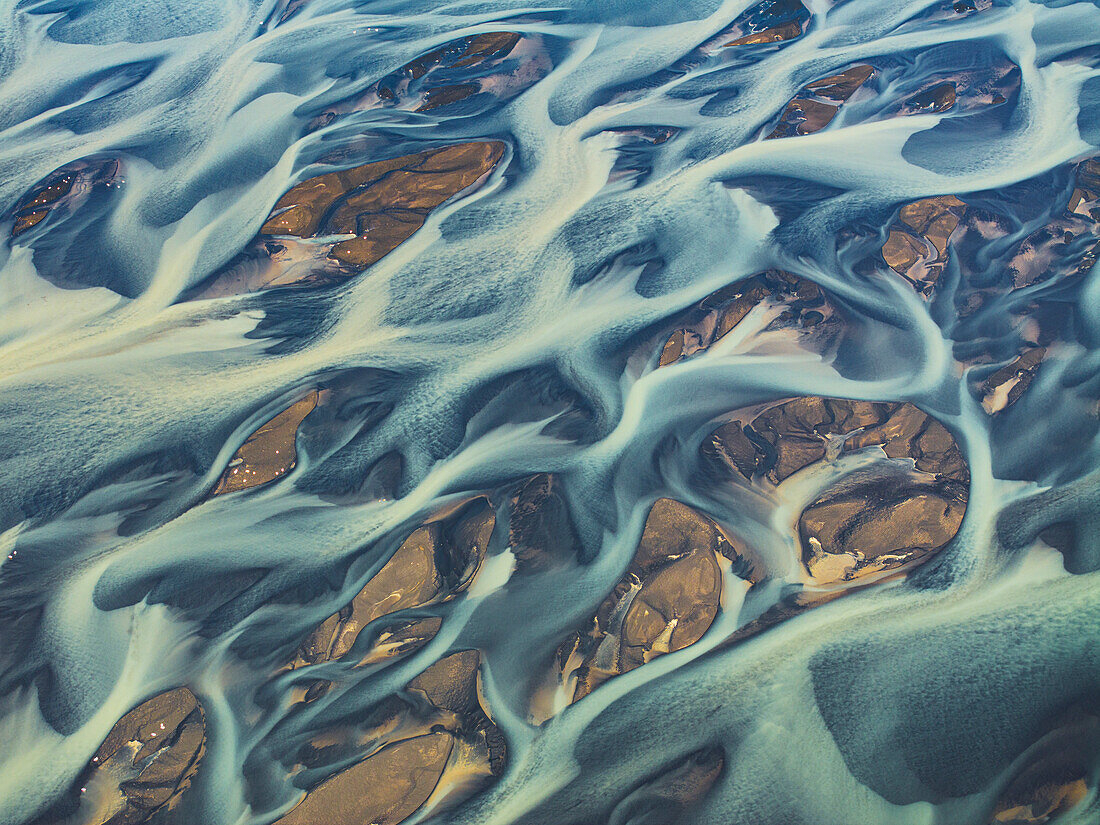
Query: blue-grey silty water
x,y
122,399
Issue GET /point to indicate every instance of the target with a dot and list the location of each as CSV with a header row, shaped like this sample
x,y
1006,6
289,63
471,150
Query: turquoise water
x,y
148,327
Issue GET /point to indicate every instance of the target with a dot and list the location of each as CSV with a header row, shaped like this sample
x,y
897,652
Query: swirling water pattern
x,y
919,169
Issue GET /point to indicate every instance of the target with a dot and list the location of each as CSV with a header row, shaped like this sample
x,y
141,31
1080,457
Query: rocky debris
x,y
143,766
666,600
437,562
814,107
916,246
1055,775
893,514
63,190
771,21
479,71
432,743
540,529
801,305
269,452
332,226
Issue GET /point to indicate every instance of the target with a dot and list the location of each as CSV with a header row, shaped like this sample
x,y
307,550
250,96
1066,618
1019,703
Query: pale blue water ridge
x,y
647,158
